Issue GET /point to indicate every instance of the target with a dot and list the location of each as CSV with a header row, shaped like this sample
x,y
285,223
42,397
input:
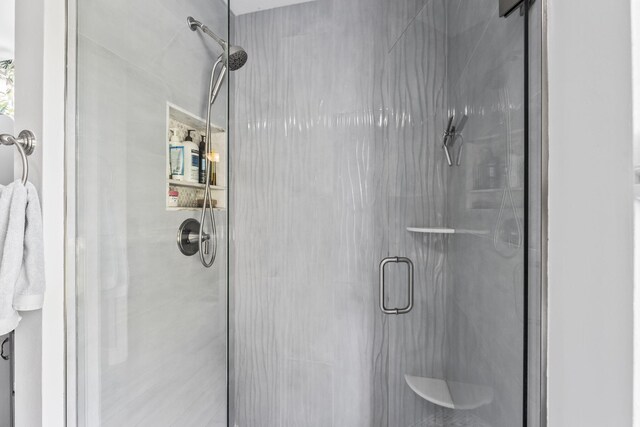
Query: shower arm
x,y
195,24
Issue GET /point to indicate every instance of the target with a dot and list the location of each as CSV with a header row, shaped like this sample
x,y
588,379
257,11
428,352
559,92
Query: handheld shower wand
x,y
232,58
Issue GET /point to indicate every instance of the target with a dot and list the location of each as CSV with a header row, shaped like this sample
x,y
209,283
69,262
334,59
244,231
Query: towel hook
x,y
26,144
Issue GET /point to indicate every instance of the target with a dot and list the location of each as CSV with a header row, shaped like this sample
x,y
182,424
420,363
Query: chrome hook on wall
x,y
450,136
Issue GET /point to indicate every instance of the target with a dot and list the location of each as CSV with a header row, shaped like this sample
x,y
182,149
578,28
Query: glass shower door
x,y
457,358
415,186
151,322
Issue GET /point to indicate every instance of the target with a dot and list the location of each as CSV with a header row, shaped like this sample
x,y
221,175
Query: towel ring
x,y
26,144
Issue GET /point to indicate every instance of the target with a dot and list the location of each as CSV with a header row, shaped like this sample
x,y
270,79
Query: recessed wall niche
x,y
184,187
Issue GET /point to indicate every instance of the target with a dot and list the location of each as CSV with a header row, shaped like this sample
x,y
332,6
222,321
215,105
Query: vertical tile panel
x,y
306,180
335,153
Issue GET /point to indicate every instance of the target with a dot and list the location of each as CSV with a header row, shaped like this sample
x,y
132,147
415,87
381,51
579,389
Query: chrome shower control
x,y
188,235
231,59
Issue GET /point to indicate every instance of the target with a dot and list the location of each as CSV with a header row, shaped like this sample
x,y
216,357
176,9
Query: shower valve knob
x,y
187,239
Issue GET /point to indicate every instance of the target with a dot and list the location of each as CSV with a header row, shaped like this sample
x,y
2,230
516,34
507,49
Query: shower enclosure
x,y
375,173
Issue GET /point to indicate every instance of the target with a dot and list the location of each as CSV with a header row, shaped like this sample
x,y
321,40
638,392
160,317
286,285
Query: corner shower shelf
x,y
192,184
493,190
450,394
434,230
193,208
431,230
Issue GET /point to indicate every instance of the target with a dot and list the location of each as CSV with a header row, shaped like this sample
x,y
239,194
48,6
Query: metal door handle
x,y
409,306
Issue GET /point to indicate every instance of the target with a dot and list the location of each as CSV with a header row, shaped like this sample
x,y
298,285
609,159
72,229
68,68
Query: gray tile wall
x,y
306,178
152,323
335,152
338,118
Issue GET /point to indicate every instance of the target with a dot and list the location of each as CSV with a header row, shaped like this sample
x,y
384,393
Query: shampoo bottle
x,y
192,160
176,156
202,177
215,159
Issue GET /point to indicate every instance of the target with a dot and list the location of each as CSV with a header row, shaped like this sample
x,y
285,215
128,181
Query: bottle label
x,y
203,169
177,160
194,173
195,158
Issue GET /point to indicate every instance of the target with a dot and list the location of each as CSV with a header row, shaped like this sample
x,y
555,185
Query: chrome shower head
x,y
237,57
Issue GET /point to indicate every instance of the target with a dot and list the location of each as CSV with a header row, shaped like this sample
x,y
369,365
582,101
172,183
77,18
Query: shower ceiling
x,y
240,7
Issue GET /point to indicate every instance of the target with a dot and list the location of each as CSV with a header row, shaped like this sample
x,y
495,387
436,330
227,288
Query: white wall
x,y
53,206
6,156
28,105
590,214
7,43
40,91
7,29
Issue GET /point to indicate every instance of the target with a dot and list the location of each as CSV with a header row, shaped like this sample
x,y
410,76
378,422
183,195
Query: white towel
x,y
13,202
29,291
